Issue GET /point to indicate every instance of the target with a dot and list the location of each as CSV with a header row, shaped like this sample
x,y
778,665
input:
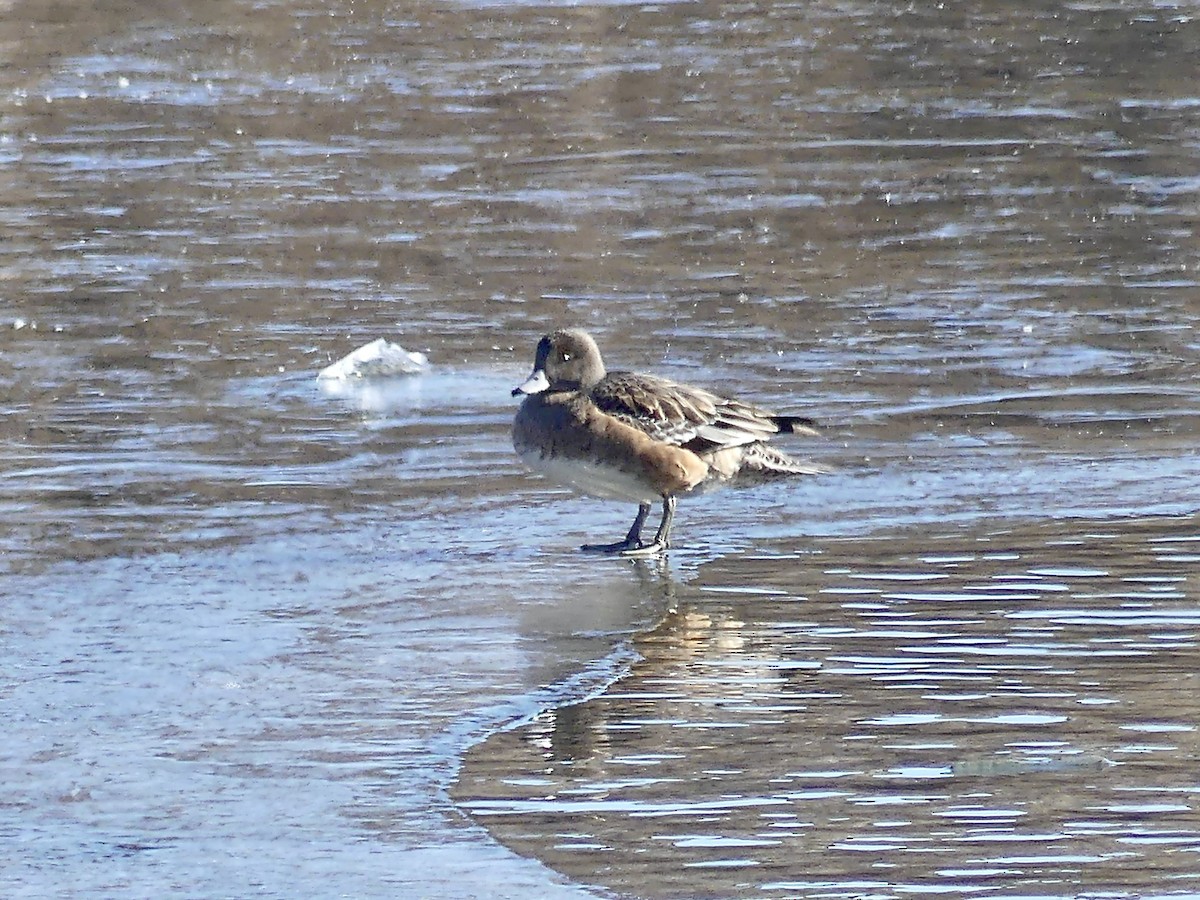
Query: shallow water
x,y
253,626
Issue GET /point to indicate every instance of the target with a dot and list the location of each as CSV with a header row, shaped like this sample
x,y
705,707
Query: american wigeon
x,y
628,436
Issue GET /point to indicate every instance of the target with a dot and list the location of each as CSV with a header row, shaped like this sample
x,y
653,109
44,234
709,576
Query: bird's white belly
x,y
595,479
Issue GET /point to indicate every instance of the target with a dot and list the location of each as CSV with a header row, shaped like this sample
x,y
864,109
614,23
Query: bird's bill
x,y
534,384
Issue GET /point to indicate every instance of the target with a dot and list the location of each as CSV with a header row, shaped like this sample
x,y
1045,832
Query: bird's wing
x,y
680,414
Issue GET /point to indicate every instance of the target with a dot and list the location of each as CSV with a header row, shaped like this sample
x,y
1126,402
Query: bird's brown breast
x,y
567,425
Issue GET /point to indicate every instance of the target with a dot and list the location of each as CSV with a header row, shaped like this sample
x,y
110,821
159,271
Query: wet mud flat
x,y
992,710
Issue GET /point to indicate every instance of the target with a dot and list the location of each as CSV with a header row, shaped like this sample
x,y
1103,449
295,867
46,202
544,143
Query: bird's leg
x,y
662,537
633,540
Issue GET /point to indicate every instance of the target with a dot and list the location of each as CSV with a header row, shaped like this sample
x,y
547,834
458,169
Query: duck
x,y
640,438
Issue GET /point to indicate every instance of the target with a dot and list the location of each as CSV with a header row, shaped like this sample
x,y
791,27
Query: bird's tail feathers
x,y
765,460
796,425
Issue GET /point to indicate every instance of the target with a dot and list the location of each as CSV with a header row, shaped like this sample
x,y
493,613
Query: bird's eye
x,y
566,357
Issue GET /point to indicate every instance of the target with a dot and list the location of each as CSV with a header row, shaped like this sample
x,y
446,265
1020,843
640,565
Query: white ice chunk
x,y
378,359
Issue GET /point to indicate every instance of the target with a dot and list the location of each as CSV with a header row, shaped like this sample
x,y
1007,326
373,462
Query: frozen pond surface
x,y
853,719
268,639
